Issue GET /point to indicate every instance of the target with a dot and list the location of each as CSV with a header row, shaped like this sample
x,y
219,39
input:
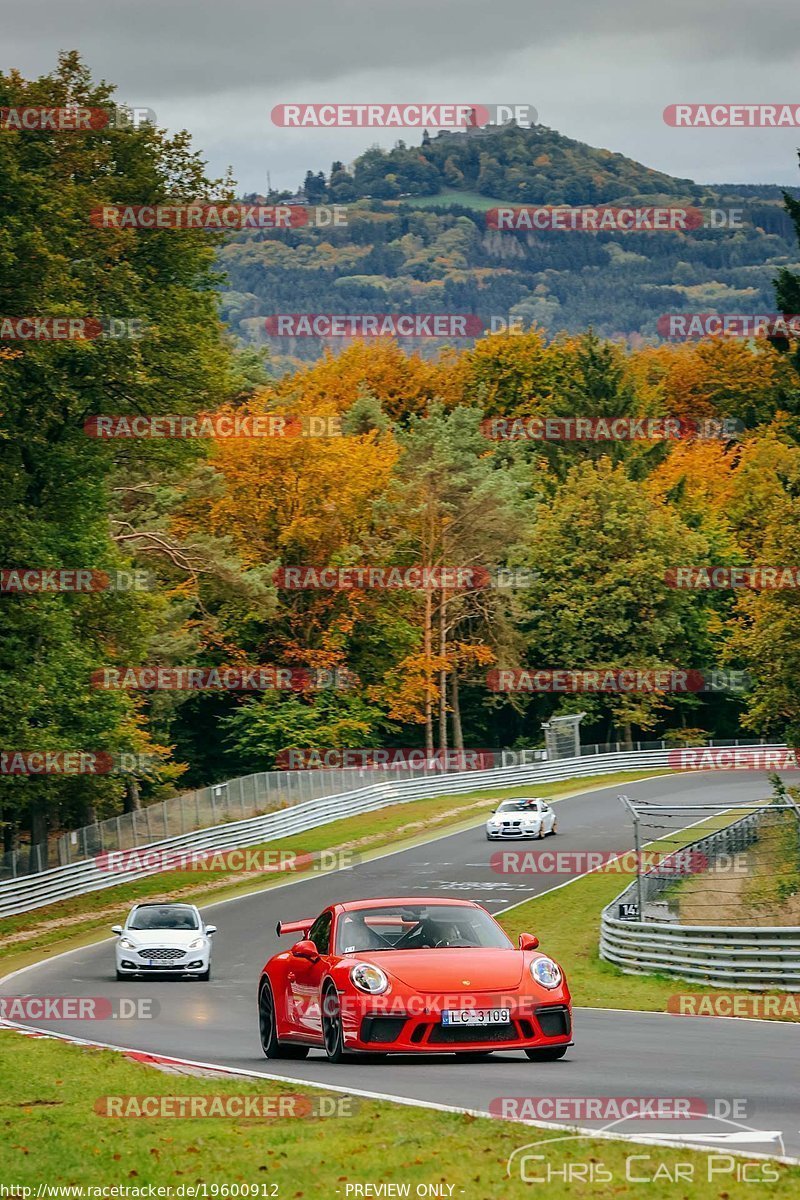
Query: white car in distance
x,y
164,939
521,818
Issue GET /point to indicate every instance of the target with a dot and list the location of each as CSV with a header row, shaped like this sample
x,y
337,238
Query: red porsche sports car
x,y
411,976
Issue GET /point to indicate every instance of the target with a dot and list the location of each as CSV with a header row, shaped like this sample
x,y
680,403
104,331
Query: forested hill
x,y
527,166
417,239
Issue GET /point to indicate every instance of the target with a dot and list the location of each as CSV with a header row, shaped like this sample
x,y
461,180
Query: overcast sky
x,y
598,72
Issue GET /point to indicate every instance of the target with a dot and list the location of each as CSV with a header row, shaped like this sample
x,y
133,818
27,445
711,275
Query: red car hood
x,y
451,969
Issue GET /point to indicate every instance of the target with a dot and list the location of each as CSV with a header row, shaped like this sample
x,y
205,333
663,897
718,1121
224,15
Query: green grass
x,y
52,1134
29,936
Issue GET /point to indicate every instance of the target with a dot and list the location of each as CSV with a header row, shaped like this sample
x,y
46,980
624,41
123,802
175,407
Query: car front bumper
x,y
513,833
134,962
533,1025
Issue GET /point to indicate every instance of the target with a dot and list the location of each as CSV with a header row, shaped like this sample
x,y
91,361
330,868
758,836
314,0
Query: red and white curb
x,y
162,1062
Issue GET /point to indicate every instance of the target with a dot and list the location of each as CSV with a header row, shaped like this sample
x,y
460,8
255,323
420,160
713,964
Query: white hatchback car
x,y
523,818
160,939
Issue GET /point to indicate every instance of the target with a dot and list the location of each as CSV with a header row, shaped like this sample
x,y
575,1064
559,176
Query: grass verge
x,y
53,1134
71,923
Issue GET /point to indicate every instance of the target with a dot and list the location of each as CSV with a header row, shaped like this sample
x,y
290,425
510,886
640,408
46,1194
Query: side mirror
x,y
211,929
527,941
305,949
116,929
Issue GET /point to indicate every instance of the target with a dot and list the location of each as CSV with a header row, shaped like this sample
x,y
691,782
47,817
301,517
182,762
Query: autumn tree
x,y
601,549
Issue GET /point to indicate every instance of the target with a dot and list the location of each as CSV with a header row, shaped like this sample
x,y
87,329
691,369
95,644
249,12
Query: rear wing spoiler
x,y
293,927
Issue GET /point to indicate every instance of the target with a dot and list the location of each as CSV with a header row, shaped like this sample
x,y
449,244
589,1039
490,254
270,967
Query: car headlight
x,y
369,979
197,944
125,944
546,972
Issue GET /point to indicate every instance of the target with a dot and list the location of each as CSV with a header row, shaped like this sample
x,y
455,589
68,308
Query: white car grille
x,y
162,955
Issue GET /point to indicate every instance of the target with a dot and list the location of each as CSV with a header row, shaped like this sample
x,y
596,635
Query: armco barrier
x,y
77,879
758,958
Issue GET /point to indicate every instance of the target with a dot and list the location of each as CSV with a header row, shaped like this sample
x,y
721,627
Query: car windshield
x,y
519,806
164,916
417,927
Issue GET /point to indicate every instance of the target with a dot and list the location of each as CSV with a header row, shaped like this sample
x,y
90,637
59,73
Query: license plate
x,y
476,1016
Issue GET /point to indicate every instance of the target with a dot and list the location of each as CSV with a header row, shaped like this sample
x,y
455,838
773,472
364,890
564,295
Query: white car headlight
x,y
368,978
546,972
125,944
197,944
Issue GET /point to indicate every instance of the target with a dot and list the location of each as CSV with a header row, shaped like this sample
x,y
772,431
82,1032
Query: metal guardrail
x,y
250,796
757,958
76,879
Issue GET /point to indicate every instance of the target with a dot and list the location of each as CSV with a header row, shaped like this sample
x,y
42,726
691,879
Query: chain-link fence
x,y
253,795
744,869
722,909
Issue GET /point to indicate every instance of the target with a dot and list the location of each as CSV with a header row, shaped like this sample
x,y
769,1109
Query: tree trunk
x,y
133,802
9,833
458,733
443,678
627,736
428,647
37,859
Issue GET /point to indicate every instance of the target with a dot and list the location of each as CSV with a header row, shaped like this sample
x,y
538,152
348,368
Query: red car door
x,y
304,980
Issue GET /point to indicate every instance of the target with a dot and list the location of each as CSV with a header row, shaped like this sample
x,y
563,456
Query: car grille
x,y
166,954
450,1034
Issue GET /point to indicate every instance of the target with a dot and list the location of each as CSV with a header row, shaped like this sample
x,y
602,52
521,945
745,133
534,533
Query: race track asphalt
x,y
617,1054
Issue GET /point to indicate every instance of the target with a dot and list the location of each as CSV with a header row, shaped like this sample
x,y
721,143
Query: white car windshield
x,y
529,806
417,927
164,916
